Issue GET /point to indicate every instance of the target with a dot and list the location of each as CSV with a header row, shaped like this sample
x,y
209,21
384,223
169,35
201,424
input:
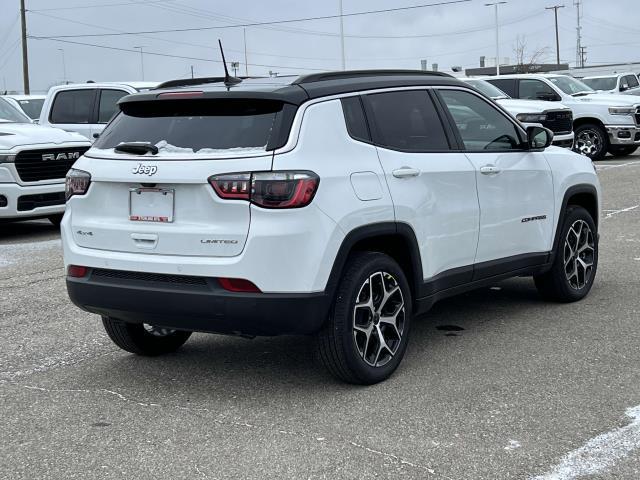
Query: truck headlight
x,y
531,117
622,110
7,158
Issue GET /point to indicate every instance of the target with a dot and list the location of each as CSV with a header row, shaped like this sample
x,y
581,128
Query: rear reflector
x,y
238,285
76,271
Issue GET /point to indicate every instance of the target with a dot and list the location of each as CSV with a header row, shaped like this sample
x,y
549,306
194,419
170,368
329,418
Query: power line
x,y
179,42
150,2
274,22
168,55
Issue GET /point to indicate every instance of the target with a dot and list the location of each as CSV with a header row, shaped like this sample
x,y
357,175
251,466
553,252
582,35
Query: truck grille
x,y
559,122
30,202
638,116
46,164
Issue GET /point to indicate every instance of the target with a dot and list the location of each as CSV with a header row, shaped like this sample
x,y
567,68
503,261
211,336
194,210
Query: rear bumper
x,y
201,306
31,201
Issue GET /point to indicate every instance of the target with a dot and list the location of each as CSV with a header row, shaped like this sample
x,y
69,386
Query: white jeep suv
x,y
335,204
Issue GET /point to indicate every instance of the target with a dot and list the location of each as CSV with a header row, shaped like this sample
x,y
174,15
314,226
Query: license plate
x,y
151,205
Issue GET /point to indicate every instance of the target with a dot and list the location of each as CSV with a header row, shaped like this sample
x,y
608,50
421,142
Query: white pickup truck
x,y
34,161
602,122
86,108
623,83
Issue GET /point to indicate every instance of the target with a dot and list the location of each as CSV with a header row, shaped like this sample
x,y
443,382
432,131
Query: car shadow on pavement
x,y
31,231
232,367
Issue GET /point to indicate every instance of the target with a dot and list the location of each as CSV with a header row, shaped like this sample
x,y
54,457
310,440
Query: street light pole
x,y
141,60
555,11
64,67
344,63
495,5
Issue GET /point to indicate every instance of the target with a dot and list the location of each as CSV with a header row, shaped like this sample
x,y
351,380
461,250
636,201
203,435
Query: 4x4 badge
x,y
145,169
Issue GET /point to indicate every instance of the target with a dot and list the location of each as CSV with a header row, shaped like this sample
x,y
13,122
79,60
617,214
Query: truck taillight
x,y
284,189
77,183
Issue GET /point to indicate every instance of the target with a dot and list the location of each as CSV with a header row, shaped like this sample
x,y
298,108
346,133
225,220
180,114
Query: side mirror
x,y
539,138
96,135
548,97
624,88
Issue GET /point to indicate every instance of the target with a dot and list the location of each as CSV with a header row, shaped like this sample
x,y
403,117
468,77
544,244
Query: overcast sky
x,y
448,35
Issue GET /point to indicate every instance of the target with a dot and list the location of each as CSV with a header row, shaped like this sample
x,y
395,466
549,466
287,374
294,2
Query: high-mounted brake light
x,y
180,94
76,183
239,285
284,189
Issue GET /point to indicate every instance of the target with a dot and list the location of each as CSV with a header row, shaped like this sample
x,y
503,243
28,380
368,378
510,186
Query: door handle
x,y
489,170
406,172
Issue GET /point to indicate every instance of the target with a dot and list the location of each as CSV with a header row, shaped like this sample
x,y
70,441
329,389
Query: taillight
x,y
285,189
238,285
77,271
232,186
77,183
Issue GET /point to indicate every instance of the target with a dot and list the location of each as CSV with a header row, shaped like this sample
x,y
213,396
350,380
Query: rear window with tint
x,y
194,126
73,106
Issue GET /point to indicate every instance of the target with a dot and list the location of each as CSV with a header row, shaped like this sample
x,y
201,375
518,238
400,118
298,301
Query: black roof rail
x,y
189,82
338,75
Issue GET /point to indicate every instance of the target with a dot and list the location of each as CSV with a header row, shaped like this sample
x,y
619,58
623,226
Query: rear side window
x,y
535,90
108,104
355,119
73,106
32,107
205,126
632,81
406,121
507,85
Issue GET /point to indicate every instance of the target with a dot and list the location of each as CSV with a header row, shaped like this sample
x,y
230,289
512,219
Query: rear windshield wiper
x,y
137,148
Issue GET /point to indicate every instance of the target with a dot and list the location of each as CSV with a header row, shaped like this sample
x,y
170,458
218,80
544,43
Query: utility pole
x,y
25,53
495,4
246,62
344,63
141,60
578,5
555,11
191,71
583,56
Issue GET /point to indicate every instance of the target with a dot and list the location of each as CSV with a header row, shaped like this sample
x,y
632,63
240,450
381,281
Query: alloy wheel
x,y
589,142
378,319
579,254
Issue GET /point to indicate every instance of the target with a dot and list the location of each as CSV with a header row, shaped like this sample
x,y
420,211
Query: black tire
x,y
135,338
591,140
556,284
622,151
55,219
339,347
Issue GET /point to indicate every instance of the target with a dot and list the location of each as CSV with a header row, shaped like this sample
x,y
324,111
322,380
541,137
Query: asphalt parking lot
x,y
496,384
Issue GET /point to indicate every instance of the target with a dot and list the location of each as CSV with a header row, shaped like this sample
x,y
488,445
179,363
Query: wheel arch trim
x,y
379,230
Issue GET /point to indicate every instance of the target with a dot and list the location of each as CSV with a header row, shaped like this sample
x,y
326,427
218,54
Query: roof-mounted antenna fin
x,y
228,79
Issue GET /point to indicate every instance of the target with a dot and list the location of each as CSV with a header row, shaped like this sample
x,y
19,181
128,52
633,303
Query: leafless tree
x,y
527,61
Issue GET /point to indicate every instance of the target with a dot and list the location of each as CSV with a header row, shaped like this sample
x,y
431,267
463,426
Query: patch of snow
x,y
513,444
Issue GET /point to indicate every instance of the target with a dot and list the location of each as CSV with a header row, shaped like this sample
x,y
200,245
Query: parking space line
x,y
600,453
609,167
612,213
